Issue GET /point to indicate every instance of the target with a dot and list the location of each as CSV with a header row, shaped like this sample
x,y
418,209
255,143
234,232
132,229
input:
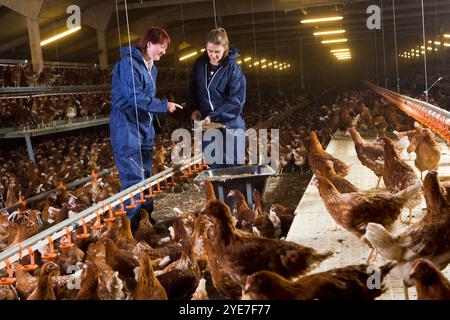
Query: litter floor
x,y
313,225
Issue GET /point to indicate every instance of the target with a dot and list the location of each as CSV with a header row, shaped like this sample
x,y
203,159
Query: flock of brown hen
x,y
244,254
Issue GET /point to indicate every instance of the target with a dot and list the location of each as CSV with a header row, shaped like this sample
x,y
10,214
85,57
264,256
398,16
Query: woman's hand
x,y
207,120
172,106
196,115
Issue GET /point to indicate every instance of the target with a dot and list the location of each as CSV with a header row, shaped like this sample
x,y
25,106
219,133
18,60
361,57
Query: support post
x,y
29,148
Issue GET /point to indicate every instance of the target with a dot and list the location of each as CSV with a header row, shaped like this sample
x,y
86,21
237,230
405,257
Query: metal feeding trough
x,y
243,178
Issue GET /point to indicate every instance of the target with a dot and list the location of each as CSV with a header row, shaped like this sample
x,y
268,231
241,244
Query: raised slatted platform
x,y
313,225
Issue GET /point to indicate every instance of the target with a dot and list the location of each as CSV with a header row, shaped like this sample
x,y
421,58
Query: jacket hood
x,y
233,53
135,52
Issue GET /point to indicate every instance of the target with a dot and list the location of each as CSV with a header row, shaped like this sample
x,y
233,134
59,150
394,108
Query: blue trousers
x,y
230,156
130,173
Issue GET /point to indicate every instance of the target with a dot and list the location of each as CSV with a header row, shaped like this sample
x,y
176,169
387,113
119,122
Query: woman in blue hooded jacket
x,y
134,108
217,94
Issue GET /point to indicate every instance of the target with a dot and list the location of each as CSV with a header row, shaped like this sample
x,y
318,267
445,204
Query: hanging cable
x,y
276,43
184,38
118,27
376,55
384,47
215,14
395,42
424,54
134,93
257,72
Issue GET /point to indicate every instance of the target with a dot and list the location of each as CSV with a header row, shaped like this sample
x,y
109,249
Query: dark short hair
x,y
154,35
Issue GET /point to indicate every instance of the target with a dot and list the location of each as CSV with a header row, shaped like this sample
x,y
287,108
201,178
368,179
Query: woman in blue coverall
x,y
134,108
217,94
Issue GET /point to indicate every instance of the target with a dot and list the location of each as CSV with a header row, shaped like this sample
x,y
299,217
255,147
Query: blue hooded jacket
x,y
224,98
123,126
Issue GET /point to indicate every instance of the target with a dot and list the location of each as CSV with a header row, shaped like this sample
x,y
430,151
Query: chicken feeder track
x,y
18,251
55,232
437,119
44,195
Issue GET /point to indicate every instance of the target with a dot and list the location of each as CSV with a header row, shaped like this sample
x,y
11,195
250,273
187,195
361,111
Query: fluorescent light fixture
x,y
275,67
437,43
429,41
246,59
412,50
417,55
269,64
422,47
250,66
447,35
339,50
59,36
429,48
344,58
275,62
289,65
435,49
446,44
239,62
325,19
256,63
188,56
334,41
202,50
263,67
263,60
323,33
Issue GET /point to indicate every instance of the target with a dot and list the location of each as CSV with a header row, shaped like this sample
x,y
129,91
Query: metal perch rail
x,y
437,119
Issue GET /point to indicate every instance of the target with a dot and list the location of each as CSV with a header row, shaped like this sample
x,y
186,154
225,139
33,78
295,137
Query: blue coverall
x,y
128,142
222,99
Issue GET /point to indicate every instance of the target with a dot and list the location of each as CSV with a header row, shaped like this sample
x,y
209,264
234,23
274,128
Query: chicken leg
x,y
405,290
378,183
374,253
409,220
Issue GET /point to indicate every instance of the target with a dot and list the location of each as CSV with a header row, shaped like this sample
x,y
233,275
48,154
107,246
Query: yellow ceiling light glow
x,y
334,41
246,59
344,58
188,56
269,64
339,50
239,62
59,36
324,33
202,50
263,67
437,43
446,44
256,63
324,19
446,35
263,60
